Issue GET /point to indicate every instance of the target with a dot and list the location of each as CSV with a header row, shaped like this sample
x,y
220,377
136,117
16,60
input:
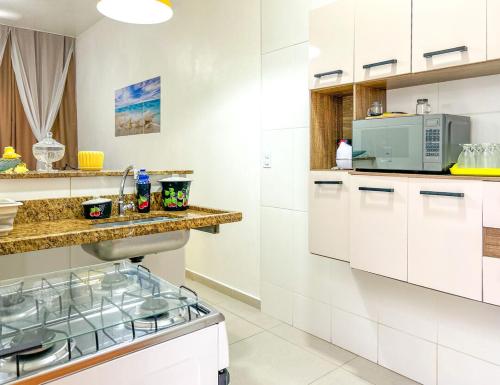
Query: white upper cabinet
x,y
445,235
331,44
329,214
382,38
379,225
493,49
448,33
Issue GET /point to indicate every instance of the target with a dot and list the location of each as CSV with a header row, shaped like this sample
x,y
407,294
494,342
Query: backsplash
x,y
478,98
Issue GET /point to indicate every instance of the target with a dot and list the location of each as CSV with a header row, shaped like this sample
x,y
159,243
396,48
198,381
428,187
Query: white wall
x,y
208,57
423,334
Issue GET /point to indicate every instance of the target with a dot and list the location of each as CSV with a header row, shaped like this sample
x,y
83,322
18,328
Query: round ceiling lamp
x,y
136,11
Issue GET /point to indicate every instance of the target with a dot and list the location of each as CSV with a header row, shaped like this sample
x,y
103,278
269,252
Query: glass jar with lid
x,y
423,107
46,152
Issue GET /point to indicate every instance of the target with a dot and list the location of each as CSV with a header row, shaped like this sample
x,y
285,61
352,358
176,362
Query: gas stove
x,y
62,319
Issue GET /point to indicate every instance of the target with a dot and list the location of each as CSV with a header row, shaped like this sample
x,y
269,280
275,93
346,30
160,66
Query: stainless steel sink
x,y
137,246
144,221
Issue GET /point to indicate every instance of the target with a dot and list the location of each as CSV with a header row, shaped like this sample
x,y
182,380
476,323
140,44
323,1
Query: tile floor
x,y
265,351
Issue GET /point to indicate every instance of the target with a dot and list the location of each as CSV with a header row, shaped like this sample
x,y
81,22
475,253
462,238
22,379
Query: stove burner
x,y
154,304
41,336
56,353
24,307
115,281
163,321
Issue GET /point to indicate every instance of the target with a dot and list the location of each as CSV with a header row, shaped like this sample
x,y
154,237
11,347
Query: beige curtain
x,y
15,129
40,62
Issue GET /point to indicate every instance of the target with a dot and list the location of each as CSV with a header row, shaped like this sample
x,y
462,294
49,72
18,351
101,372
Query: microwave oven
x,y
425,143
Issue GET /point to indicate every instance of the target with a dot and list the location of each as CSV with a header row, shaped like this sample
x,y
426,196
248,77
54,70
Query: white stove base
x,y
193,359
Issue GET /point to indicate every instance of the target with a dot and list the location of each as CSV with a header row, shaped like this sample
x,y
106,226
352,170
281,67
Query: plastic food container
x,y
175,193
90,160
97,208
8,212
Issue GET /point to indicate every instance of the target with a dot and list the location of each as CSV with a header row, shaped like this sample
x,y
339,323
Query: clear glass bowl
x,y
46,152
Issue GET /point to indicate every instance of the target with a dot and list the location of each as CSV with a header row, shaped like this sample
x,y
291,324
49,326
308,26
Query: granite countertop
x,y
80,173
39,235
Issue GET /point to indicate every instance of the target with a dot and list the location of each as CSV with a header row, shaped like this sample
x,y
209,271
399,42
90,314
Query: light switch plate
x,y
267,160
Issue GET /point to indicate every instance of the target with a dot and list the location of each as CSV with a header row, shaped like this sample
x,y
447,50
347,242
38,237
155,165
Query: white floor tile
x,y
266,359
408,355
312,344
238,329
455,368
340,377
354,333
312,316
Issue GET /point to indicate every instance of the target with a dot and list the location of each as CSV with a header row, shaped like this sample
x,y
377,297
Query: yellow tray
x,y
455,170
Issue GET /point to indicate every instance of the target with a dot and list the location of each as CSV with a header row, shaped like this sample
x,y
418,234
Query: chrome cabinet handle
x,y
443,194
328,182
380,63
462,48
376,189
336,72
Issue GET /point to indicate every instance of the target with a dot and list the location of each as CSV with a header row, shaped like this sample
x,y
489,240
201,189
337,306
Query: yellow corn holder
x,y
90,160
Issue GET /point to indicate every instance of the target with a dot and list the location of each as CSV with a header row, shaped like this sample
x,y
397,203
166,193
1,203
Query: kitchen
x,y
385,274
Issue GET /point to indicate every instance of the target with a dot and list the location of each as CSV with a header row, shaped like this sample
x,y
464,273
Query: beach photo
x,y
138,108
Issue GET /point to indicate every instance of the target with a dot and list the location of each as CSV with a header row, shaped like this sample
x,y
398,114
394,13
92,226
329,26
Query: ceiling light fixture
x,y
136,11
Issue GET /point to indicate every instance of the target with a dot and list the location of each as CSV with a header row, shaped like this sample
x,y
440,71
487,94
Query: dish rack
x,y
455,170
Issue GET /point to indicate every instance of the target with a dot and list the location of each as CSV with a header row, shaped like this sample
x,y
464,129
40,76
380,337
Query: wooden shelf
x,y
333,109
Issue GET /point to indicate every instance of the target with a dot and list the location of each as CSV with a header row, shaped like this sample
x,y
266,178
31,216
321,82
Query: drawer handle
x,y
336,72
376,189
328,182
380,63
443,194
462,48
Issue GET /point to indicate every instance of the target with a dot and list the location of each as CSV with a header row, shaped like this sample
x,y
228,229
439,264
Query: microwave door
x,y
389,144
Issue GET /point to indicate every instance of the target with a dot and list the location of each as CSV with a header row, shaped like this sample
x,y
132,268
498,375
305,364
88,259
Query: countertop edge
x,y
84,174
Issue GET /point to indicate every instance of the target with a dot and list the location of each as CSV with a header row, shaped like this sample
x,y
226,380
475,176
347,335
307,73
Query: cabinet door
x,y
382,38
493,49
448,33
331,44
379,225
329,214
491,204
445,235
491,280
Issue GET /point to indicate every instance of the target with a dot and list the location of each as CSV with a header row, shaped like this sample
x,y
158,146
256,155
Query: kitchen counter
x,y
50,223
81,174
39,235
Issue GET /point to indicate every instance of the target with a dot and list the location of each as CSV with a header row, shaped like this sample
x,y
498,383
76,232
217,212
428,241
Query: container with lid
x,y
143,192
8,212
423,107
97,208
46,152
175,193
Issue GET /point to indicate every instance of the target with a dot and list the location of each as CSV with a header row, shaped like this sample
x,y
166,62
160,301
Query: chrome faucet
x,y
122,206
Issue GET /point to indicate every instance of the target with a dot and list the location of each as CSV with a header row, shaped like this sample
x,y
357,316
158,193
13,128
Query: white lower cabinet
x,y
445,235
379,225
491,204
491,280
329,214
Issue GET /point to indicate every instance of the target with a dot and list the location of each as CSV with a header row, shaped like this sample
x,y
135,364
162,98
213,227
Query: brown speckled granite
x,y
51,223
80,174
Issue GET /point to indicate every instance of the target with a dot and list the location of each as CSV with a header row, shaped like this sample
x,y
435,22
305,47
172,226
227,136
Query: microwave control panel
x,y
432,135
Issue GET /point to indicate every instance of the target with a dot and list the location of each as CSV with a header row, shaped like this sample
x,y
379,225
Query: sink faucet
x,y
122,206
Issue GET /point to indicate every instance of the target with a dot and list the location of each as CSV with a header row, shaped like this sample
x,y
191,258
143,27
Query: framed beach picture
x,y
138,108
